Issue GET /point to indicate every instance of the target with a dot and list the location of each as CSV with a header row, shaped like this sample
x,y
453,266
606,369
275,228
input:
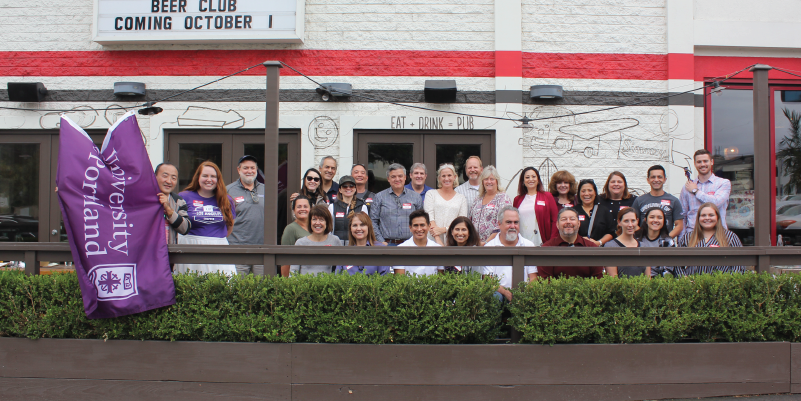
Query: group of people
x,y
475,213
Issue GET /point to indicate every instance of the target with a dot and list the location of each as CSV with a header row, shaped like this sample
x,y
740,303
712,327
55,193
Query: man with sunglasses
x,y
248,196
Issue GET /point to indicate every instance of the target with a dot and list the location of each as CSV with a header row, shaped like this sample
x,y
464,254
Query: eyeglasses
x,y
315,179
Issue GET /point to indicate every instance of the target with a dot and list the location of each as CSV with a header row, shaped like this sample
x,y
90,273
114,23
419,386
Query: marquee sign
x,y
198,21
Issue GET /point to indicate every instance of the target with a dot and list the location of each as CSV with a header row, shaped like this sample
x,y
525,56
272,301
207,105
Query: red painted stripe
x,y
375,63
714,66
508,64
680,66
595,66
223,62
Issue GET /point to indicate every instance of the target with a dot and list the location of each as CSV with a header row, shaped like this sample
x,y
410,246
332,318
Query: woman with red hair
x,y
211,212
537,208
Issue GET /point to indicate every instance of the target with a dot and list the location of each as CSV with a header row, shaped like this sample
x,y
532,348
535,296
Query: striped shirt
x,y
390,214
470,193
715,190
681,271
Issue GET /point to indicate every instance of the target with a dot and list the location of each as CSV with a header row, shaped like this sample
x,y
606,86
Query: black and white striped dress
x,y
681,271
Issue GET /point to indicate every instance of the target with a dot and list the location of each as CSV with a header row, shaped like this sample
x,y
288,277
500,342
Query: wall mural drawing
x,y
195,116
592,145
323,132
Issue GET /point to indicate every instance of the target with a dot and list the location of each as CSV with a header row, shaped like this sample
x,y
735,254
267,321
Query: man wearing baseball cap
x,y
248,195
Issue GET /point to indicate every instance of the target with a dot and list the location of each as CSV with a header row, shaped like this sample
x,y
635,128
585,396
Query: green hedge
x,y
720,307
442,309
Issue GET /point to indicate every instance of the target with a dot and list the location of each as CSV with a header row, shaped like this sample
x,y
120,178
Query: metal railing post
x,y
763,209
271,154
31,263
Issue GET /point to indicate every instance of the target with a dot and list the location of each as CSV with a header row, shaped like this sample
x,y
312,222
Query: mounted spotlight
x,y
26,91
546,92
129,88
333,90
150,109
440,91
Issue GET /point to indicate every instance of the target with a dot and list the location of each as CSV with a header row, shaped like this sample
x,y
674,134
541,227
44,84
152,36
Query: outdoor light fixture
x,y
129,88
716,88
332,90
525,123
440,91
150,109
546,92
26,91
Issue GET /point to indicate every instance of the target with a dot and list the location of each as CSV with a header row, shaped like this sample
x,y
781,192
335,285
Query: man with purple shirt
x,y
706,188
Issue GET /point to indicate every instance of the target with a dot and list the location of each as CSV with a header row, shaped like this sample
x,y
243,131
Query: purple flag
x,y
114,221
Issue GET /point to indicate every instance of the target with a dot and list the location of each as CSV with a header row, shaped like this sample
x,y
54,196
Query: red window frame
x,y
747,84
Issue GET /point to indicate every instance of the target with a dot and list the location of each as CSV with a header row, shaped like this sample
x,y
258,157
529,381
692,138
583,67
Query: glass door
x,y
379,150
455,149
288,167
24,190
187,150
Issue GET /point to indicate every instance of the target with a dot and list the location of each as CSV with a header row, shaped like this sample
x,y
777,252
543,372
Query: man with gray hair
x,y
418,174
509,224
328,169
392,207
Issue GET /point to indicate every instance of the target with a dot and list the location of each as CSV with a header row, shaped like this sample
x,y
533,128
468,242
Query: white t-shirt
x,y
529,228
419,270
505,272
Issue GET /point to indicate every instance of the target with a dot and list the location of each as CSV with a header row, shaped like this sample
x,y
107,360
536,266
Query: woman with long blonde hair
x,y
211,212
708,232
444,204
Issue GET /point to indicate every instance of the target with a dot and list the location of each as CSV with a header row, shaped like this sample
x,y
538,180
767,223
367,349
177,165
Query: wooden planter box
x,y
64,369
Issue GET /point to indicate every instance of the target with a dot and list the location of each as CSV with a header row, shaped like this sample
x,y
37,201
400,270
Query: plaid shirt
x,y
715,190
390,213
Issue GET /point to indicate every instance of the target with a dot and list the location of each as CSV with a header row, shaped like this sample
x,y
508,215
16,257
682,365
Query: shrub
x,y
719,307
442,309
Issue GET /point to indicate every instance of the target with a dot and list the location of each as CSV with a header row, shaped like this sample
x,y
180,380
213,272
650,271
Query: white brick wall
x,y
38,25
588,26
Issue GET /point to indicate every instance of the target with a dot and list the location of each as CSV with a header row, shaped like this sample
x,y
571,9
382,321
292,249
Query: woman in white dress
x,y
444,204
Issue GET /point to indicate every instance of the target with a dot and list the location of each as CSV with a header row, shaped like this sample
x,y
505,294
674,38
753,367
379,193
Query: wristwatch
x,y
695,191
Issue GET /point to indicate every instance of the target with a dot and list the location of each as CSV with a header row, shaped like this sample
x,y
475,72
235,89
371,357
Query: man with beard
x,y
567,223
248,196
509,224
176,216
707,187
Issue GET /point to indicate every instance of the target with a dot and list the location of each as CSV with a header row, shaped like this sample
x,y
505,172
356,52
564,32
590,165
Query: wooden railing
x,y
517,257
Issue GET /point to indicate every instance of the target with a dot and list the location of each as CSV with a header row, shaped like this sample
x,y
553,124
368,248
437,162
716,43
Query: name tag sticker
x,y
665,202
710,193
239,199
714,246
566,204
334,196
623,207
197,203
541,203
581,218
368,200
407,206
491,206
340,214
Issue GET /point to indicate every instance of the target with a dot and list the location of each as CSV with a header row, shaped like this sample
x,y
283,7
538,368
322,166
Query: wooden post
x,y
762,165
271,157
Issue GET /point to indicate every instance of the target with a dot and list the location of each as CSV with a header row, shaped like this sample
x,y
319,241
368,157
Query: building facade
x,y
626,53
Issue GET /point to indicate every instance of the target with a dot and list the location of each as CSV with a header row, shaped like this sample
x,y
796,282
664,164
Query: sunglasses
x,y
348,186
314,179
